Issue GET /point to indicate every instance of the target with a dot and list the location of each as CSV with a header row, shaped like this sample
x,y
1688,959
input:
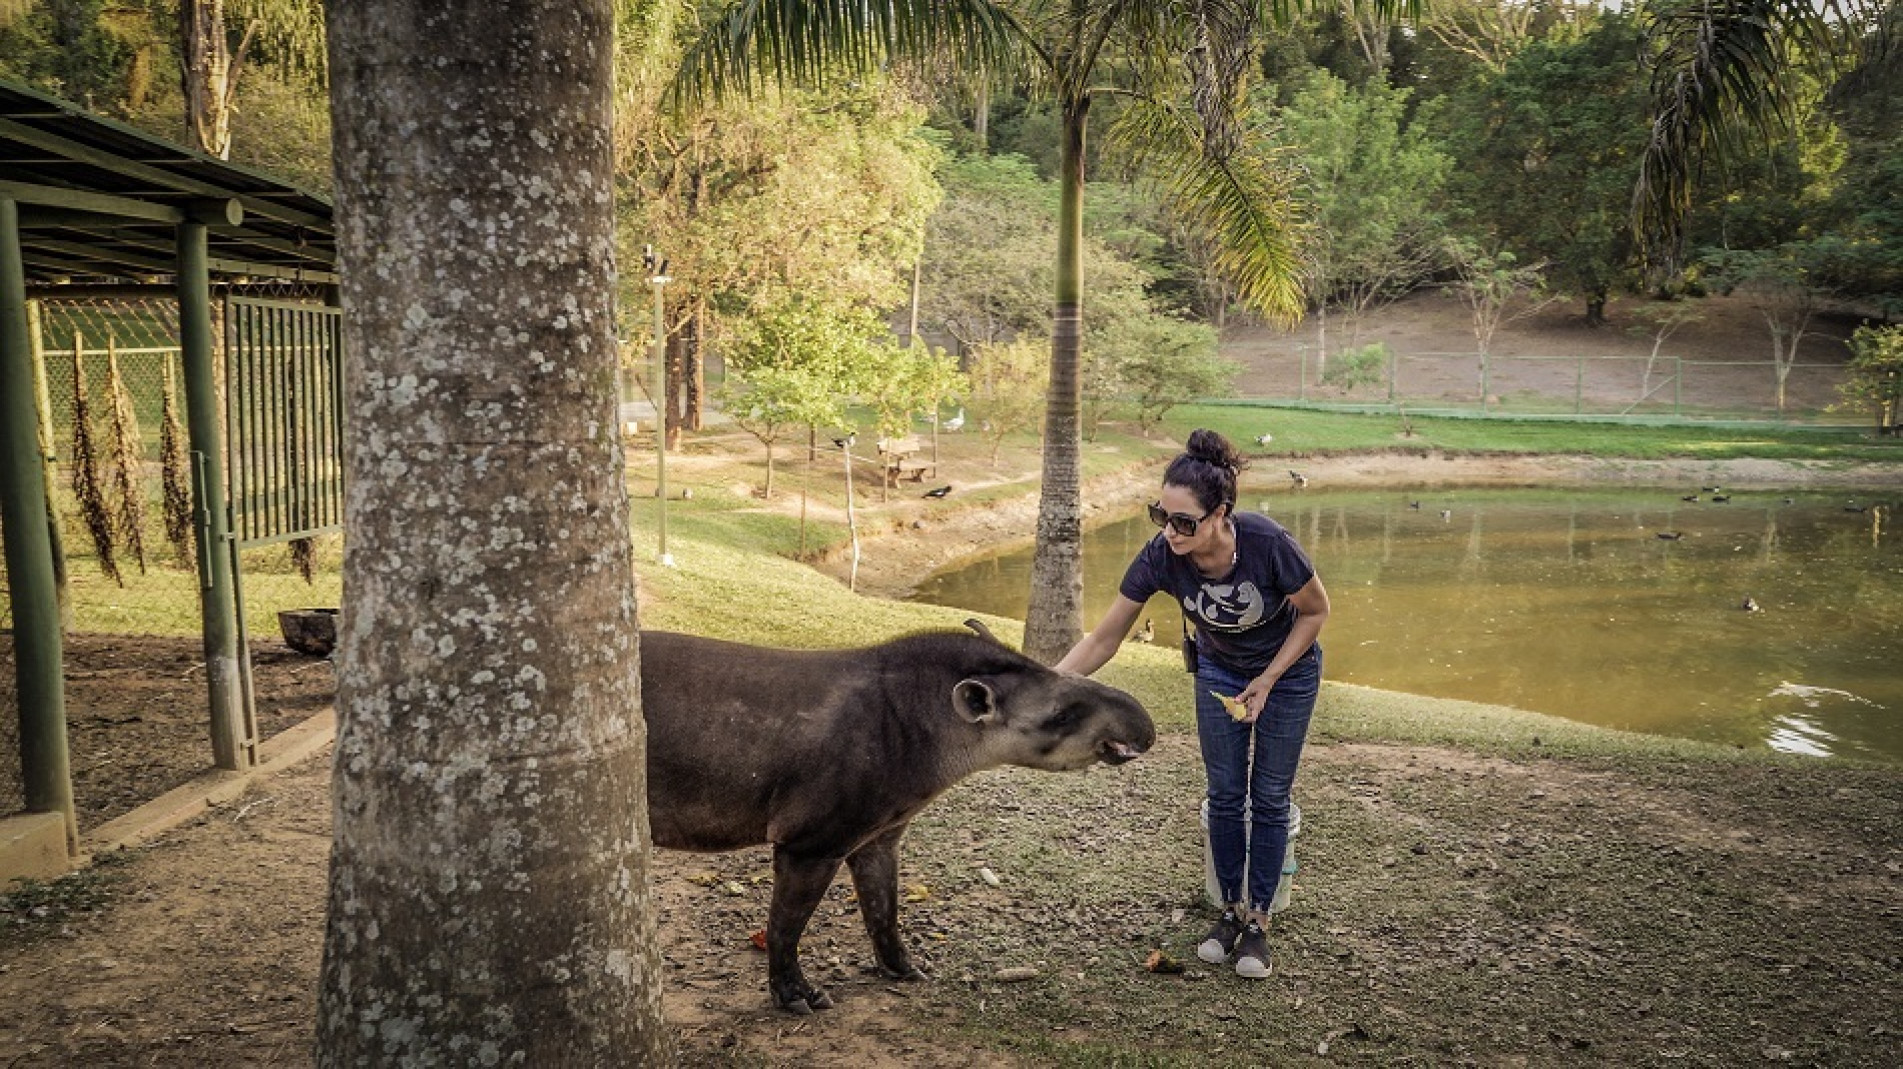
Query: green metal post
x,y
37,642
211,519
1579,387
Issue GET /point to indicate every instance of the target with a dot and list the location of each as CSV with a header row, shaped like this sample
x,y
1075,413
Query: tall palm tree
x,y
488,896
1720,74
1181,66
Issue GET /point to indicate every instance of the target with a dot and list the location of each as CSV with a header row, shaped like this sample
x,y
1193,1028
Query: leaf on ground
x,y
918,892
1159,962
758,939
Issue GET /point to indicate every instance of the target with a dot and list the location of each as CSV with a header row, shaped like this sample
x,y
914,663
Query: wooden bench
x,y
897,455
911,471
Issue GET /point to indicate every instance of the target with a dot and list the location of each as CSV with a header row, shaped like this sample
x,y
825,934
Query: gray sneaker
x,y
1214,948
1252,953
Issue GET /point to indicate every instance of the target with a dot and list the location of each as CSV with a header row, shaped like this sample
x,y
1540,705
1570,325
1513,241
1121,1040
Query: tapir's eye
x,y
1064,717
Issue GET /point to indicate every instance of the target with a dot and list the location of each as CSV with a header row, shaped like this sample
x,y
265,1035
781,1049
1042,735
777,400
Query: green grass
x,y
1300,432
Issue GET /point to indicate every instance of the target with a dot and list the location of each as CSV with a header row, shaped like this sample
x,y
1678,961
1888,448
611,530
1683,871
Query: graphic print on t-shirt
x,y
1227,606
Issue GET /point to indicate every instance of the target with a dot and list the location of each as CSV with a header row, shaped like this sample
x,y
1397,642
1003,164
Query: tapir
x,y
827,755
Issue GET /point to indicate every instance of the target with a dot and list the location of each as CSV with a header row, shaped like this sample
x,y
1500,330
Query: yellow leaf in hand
x,y
1236,707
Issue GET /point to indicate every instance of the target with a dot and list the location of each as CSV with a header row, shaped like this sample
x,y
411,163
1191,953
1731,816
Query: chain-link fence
x,y
117,359
1664,387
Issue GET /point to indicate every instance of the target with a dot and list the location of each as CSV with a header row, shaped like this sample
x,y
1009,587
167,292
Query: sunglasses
x,y
1182,523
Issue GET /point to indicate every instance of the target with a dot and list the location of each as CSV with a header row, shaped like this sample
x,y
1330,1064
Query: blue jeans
x,y
1260,785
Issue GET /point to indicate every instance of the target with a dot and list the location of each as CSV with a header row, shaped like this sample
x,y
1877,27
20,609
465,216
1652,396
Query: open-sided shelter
x,y
94,209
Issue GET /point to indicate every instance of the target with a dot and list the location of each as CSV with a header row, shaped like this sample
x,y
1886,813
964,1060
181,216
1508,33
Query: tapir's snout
x,y
1132,737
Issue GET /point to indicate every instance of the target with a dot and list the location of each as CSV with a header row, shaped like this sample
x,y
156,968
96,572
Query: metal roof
x,y
100,201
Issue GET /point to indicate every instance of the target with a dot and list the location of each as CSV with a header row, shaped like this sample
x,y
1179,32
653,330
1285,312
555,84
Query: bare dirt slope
x,y
1728,350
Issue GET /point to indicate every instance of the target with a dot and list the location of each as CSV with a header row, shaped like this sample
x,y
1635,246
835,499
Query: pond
x,y
1768,620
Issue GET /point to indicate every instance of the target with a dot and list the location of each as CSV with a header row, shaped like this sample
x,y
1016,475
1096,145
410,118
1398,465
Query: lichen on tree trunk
x,y
488,900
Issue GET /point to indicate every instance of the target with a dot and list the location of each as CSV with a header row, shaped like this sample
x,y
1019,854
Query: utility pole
x,y
657,276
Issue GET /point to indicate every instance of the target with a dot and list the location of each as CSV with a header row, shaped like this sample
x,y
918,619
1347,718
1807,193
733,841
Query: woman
x,y
1257,606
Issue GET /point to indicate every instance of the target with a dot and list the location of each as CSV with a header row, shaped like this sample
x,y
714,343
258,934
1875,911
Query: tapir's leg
x,y
798,885
875,877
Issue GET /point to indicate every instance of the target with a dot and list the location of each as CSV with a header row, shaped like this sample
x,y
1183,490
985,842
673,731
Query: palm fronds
x,y
802,42
1718,72
1244,200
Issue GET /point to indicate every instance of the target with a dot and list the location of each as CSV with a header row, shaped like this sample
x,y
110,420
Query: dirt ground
x,y
1452,909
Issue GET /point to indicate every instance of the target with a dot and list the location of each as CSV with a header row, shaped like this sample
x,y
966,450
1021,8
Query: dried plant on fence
x,y
175,473
87,488
128,457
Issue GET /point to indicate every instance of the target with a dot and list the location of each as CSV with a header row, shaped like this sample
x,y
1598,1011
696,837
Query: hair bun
x,y
1212,448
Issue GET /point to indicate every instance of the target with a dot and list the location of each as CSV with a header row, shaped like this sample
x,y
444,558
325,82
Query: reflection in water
x,y
1800,735
1570,603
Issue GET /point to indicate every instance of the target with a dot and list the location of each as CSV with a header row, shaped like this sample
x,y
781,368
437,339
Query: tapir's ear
x,y
975,701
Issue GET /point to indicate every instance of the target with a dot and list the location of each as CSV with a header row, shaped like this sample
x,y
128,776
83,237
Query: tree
x,y
488,892
1008,380
1202,158
1661,321
1159,363
1876,375
793,363
1549,151
209,74
1723,77
1371,183
1498,291
824,195
1780,284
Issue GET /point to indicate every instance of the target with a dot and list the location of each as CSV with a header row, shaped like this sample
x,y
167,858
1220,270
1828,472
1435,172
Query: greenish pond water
x,y
1568,602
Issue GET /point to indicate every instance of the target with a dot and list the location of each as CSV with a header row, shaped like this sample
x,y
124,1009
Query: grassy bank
x,y
1302,433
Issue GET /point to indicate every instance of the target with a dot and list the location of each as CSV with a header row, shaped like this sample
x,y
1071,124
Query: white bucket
x,y
1213,888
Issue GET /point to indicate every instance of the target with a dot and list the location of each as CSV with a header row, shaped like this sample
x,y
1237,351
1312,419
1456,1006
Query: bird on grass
x,y
956,423
1671,536
687,493
1264,439
1300,480
1693,498
847,441
1414,505
1714,489
1719,499
1854,507
1750,605
939,492
1146,632
1446,515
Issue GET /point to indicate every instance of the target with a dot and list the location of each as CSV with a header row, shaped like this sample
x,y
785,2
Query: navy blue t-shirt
x,y
1242,618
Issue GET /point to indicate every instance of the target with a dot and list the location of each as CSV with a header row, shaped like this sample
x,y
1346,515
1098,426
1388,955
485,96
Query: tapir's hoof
x,y
909,973
802,1004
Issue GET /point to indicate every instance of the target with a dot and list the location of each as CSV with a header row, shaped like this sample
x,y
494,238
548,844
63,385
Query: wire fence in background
x,y
1653,389
136,336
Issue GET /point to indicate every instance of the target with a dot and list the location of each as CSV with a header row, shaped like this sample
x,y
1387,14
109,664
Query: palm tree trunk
x,y
488,895
1054,620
